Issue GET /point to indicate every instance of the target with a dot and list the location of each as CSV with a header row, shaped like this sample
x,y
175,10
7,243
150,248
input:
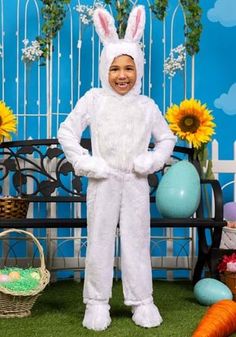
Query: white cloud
x,y
227,102
224,12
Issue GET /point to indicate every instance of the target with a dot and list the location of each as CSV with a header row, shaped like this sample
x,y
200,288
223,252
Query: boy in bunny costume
x,y
121,123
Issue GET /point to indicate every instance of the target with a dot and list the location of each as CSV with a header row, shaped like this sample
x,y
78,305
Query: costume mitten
x,y
146,315
91,167
97,317
146,164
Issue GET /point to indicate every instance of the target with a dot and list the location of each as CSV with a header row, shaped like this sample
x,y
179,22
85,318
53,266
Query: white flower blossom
x,y
86,12
32,52
175,61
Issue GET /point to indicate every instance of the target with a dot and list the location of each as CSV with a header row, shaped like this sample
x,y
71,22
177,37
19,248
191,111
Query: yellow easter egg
x,y
14,275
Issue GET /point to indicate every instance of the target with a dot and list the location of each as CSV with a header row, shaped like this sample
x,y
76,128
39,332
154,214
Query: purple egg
x,y
230,211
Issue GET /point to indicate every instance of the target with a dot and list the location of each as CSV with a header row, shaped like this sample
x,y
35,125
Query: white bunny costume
x,y
121,128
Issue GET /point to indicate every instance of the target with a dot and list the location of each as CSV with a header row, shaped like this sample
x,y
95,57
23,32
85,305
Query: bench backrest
x,y
39,170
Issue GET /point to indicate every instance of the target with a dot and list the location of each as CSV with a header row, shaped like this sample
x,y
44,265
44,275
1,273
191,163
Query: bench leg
x,y
203,251
207,254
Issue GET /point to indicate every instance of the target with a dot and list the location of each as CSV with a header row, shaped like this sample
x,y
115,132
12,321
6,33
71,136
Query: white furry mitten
x,y
146,164
91,167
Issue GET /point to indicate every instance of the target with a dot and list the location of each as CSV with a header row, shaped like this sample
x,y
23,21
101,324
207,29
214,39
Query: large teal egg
x,y
209,291
178,193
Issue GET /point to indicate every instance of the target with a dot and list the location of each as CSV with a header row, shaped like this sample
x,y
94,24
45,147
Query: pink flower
x,y
231,266
222,267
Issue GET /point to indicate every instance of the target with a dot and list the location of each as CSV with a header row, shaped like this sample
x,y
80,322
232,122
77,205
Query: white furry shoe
x,y
97,317
146,315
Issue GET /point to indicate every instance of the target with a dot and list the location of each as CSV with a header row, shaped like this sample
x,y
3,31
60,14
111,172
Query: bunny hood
x,y
113,46
113,50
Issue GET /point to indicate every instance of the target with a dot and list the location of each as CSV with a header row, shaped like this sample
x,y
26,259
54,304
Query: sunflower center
x,y
189,123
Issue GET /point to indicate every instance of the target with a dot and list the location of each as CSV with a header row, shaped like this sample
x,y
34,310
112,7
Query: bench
x,y
38,170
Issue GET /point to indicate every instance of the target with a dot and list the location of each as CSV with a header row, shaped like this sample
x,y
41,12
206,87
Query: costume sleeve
x,y
69,136
70,131
164,140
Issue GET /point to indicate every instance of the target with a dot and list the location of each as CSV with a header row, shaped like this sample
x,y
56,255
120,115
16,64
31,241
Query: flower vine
x,y
53,13
31,52
193,26
86,12
175,61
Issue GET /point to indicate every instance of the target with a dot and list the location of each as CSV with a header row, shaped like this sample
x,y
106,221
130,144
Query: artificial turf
x,y
59,311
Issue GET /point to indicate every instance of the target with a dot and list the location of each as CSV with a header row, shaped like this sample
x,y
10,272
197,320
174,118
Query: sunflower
x,y
7,121
191,121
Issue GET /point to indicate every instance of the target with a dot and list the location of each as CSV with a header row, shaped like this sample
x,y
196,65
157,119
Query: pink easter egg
x,y
4,278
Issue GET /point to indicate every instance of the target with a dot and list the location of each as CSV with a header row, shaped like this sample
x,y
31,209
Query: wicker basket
x,y
19,304
13,207
230,280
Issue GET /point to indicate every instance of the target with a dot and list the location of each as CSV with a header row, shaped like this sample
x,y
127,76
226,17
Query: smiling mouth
x,y
122,85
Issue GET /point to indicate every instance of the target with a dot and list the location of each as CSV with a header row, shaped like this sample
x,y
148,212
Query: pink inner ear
x,y
104,23
138,17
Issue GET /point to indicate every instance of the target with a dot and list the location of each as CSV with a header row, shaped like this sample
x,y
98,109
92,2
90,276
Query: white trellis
x,y
43,96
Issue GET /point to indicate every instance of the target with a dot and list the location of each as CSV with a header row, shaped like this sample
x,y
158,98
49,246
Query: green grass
x,y
59,313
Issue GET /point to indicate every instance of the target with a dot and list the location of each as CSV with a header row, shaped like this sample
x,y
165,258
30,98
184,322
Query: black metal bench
x,y
43,163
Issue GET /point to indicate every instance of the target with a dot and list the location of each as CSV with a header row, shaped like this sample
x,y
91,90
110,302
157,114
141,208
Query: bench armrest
x,y
218,197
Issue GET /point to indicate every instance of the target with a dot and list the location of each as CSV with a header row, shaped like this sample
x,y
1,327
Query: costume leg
x,y
103,204
135,251
135,241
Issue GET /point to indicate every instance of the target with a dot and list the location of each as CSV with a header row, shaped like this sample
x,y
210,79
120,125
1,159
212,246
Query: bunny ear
x,y
105,25
136,23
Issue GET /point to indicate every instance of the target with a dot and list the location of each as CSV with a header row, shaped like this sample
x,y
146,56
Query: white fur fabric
x,y
144,164
113,47
97,317
123,198
121,129
146,315
92,167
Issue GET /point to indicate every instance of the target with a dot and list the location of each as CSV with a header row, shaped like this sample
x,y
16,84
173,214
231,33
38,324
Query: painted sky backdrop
x,y
216,69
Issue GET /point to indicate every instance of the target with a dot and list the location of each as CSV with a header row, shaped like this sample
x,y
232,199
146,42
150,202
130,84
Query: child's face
x,y
122,74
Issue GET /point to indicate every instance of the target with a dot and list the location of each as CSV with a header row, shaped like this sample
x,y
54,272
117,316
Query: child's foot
x,y
146,315
97,317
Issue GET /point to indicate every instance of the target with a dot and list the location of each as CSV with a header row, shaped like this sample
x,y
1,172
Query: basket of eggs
x,y
20,288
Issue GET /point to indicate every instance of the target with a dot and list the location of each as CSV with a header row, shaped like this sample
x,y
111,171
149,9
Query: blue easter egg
x,y
178,193
209,291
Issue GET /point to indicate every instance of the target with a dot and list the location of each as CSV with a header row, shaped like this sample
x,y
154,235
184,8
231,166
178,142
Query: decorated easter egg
x,y
178,193
4,278
209,291
35,275
14,275
230,211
